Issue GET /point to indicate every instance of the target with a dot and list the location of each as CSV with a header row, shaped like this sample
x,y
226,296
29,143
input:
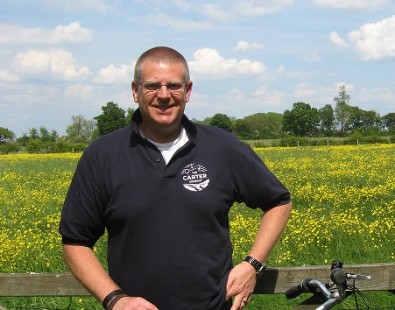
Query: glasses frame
x,y
160,85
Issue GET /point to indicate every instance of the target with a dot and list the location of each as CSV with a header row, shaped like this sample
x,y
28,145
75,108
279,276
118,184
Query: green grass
x,y
344,201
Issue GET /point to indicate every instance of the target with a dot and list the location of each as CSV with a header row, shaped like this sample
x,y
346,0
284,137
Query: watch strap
x,y
258,266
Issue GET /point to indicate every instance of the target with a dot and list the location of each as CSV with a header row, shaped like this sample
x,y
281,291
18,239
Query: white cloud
x,y
374,41
303,91
260,7
347,86
243,46
238,9
378,94
211,64
316,95
112,74
313,57
351,4
263,97
56,63
80,92
78,89
283,72
203,15
216,12
337,39
164,20
72,33
97,5
8,76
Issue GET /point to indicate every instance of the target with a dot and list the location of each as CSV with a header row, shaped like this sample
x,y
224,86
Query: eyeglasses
x,y
172,87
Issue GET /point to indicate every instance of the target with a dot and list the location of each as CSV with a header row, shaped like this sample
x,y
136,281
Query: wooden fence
x,y
274,280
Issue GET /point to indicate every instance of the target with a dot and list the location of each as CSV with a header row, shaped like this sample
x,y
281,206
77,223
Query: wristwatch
x,y
258,266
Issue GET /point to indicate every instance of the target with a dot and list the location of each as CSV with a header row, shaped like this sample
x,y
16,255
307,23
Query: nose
x,y
163,91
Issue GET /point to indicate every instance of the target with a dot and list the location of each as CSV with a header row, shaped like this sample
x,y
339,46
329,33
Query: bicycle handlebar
x,y
338,278
308,286
295,291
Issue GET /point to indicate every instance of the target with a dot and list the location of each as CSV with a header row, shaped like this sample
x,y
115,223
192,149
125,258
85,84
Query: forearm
x,y
242,278
85,266
270,229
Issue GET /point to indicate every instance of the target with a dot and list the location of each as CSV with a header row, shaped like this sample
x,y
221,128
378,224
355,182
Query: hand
x,y
241,284
133,303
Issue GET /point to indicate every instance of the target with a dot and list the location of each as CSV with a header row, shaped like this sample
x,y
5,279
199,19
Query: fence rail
x,y
274,280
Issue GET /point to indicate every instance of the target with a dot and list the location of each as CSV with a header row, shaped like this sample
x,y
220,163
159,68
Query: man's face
x,y
162,105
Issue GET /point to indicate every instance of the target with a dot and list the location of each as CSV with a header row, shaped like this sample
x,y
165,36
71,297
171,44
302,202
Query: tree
x,y
265,126
6,135
221,121
242,129
9,147
80,129
274,125
327,120
342,109
33,133
258,124
302,120
112,118
46,136
6,141
364,121
206,121
129,114
389,122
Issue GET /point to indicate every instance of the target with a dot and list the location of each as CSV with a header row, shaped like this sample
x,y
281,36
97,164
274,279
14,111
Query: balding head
x,y
160,54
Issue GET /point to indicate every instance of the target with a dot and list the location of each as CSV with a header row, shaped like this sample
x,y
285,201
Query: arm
x,y
242,278
85,266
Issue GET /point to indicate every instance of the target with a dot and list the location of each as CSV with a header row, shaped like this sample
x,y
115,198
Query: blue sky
x,y
65,58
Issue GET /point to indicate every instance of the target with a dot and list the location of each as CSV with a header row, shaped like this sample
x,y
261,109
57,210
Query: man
x,y
162,188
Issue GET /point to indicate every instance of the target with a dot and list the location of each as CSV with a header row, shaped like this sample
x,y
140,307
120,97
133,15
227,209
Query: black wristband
x,y
258,266
110,299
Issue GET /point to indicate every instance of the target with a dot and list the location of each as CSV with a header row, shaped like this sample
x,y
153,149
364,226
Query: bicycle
x,y
335,291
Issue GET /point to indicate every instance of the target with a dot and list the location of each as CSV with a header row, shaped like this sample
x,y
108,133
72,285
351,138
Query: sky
x,y
60,59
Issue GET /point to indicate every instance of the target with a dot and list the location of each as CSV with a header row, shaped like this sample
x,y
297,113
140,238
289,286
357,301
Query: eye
x,y
151,85
174,86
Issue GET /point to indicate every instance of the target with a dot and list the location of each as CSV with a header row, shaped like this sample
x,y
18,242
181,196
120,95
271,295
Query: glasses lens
x,y
151,86
175,86
155,86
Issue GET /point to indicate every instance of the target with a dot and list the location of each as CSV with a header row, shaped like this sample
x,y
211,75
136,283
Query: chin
x,y
164,120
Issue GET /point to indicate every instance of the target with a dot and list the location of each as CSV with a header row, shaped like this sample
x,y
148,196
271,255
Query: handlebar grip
x,y
295,291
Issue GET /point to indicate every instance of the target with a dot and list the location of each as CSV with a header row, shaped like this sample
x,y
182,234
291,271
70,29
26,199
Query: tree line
x,y
301,123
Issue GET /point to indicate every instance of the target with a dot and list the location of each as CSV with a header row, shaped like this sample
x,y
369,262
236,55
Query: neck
x,y
162,134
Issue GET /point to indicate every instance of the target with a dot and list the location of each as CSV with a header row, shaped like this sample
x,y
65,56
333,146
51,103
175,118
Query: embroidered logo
x,y
195,177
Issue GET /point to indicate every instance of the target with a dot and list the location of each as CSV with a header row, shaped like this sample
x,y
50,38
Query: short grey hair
x,y
161,54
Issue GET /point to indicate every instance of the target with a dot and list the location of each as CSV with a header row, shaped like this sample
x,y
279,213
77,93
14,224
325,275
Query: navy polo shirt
x,y
168,228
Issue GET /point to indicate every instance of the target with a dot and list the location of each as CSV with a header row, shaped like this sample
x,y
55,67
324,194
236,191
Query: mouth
x,y
164,107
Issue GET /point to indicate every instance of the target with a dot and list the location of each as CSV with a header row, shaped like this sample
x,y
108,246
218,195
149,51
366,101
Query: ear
x,y
188,91
135,91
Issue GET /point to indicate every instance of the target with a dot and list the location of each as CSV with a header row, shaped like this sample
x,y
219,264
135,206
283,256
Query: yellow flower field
x,y
344,206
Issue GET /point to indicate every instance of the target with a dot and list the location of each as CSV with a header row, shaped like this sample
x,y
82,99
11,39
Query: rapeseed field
x,y
343,196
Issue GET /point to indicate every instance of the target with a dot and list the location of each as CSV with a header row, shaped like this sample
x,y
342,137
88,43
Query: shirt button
x,y
157,159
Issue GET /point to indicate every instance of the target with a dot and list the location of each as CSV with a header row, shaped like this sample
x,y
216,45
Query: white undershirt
x,y
169,149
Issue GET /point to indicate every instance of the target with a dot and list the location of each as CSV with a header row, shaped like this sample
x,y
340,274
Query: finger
x,y
239,303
